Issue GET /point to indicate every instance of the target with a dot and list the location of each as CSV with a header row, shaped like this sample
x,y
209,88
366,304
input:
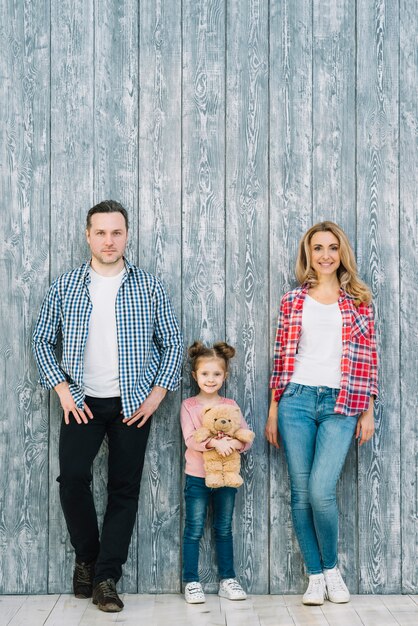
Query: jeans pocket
x,y
290,390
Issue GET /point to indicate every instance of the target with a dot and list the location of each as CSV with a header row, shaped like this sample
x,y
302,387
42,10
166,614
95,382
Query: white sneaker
x,y
231,589
193,593
316,591
336,588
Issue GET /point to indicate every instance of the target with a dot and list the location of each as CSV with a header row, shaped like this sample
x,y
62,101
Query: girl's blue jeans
x,y
316,441
197,497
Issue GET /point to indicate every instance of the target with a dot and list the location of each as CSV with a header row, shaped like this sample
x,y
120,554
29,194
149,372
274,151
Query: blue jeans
x,y
316,441
197,497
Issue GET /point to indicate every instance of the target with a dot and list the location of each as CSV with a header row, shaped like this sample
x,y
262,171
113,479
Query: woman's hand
x,y
365,424
271,430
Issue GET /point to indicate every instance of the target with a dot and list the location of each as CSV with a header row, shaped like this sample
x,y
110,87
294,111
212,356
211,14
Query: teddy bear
x,y
220,421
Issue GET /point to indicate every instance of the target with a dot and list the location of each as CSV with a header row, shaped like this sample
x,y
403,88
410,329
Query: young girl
x,y
324,383
210,370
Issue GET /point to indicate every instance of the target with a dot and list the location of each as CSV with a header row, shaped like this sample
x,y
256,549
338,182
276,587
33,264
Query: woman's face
x,y
325,253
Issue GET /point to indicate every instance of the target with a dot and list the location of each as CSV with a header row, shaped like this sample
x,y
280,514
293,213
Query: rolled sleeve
x,y
374,358
169,340
280,341
44,341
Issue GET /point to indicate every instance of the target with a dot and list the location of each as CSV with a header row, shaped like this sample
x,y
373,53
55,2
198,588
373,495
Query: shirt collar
x,y
85,274
343,297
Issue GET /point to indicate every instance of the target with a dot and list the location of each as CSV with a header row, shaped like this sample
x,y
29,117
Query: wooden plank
x,y
408,184
9,606
203,150
247,265
290,216
67,611
160,253
34,611
378,252
24,154
333,193
116,89
333,113
71,197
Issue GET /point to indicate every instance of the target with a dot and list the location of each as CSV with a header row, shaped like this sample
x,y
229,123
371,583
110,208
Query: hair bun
x,y
224,349
196,349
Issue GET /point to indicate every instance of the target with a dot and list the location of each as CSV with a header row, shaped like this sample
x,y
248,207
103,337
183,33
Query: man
x,y
121,353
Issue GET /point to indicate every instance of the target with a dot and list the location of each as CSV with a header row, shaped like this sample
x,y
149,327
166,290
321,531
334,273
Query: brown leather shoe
x,y
83,579
106,596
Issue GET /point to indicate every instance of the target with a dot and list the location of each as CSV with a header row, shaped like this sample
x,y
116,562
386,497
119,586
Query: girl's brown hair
x,y
347,273
220,350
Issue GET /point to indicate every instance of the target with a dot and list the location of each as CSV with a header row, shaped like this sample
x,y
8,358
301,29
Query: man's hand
x,y
69,406
147,408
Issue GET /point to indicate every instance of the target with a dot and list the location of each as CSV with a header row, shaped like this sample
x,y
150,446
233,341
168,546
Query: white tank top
x,y
318,359
101,368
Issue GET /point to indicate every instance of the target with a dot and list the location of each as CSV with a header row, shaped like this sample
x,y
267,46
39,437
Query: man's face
x,y
107,237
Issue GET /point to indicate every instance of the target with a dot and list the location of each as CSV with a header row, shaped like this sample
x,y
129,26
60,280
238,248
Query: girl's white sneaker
x,y
193,593
231,589
336,588
316,591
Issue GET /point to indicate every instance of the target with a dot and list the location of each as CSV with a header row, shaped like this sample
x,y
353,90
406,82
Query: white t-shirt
x,y
101,368
318,359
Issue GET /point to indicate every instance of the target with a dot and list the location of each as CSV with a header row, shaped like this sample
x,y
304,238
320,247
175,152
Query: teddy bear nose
x,y
223,421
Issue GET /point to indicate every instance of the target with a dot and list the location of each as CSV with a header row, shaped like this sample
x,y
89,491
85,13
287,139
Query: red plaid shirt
x,y
359,356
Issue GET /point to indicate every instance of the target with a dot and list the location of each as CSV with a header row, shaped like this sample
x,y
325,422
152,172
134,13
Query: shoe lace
x,y
108,588
83,573
335,581
315,585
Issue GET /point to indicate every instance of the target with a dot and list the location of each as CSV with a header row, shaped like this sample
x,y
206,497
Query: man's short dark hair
x,y
107,206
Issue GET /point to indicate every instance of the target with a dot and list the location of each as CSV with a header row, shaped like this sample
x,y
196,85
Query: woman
x,y
324,384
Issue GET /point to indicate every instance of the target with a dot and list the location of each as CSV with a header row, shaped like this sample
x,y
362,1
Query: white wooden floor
x,y
171,610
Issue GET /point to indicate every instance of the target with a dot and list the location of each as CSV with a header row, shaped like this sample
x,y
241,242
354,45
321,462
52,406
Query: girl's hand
x,y
224,447
365,425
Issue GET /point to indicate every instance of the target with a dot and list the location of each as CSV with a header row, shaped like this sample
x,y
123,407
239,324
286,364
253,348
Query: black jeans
x,y
78,446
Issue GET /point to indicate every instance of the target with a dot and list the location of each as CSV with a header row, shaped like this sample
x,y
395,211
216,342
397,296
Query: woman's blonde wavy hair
x,y
347,273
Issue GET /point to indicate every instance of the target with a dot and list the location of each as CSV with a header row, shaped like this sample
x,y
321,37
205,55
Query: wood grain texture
x,y
203,194
159,238
378,252
334,192
408,185
290,215
246,298
333,113
227,129
24,158
116,88
71,172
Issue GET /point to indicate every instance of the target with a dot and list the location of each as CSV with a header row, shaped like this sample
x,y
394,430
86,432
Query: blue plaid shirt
x,y
150,345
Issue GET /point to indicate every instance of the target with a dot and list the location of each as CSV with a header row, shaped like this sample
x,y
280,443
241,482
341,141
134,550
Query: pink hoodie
x,y
191,419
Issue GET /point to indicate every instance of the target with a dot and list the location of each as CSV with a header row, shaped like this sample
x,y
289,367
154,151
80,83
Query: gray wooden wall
x,y
227,129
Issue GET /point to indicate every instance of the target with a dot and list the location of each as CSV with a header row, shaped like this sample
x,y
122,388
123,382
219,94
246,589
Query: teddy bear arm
x,y
201,434
245,435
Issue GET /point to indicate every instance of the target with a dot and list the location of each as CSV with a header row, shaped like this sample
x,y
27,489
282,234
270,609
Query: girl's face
x,y
325,253
210,374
